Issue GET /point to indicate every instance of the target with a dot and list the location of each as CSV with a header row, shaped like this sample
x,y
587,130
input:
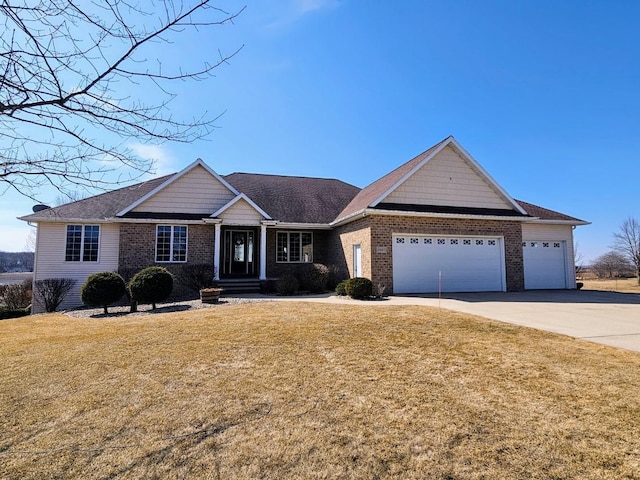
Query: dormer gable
x,y
241,211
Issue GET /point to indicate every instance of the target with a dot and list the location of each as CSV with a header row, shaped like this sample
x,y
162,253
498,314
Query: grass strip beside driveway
x,y
301,390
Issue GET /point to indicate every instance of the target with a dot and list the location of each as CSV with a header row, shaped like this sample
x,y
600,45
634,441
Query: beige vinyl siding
x,y
50,254
563,233
195,192
448,180
241,213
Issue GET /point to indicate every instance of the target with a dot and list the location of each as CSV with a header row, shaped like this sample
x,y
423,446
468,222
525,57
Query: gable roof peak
x,y
377,191
172,178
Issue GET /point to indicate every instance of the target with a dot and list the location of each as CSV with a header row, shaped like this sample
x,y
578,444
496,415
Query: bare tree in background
x,y
66,72
612,265
30,241
627,242
578,260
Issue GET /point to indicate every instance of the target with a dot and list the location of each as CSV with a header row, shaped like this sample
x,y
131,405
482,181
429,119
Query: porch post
x,y
216,252
263,251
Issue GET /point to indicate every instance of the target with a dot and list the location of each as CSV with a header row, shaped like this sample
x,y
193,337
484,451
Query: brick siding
x,y
374,234
345,237
382,228
138,249
321,252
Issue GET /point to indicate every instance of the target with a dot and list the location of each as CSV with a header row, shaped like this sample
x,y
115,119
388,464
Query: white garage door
x,y
544,264
448,264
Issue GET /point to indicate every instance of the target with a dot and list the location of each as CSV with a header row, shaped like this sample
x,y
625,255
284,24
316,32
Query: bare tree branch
x,y
69,72
626,241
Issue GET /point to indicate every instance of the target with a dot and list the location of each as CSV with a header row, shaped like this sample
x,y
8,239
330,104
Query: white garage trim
x,y
433,263
545,264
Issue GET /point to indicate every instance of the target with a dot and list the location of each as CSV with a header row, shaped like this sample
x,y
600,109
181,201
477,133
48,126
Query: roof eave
x,y
348,218
558,221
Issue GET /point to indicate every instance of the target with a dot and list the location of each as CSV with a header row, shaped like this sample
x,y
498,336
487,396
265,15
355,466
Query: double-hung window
x,y
82,243
171,243
294,247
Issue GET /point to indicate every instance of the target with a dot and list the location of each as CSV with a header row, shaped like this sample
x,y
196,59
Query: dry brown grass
x,y
623,285
295,390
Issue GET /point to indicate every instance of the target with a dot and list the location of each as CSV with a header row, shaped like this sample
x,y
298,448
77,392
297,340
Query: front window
x,y
82,243
171,243
294,247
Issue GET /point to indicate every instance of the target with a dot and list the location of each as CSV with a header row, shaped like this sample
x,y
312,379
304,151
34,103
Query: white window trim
x,y
66,233
287,232
186,252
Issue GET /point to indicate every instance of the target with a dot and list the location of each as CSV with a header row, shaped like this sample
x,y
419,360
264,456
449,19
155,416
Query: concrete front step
x,y
235,285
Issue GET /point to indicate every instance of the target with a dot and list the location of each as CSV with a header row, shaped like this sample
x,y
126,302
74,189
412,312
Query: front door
x,y
239,253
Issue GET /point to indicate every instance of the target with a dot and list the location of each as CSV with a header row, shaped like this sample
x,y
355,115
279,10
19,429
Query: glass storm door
x,y
239,253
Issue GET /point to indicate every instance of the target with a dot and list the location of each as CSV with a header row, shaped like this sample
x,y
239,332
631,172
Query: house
x,y
439,222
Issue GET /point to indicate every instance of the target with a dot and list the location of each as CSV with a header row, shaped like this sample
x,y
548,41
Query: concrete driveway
x,y
602,317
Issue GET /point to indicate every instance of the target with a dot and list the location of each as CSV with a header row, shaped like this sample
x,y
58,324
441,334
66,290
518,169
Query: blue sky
x,y
543,94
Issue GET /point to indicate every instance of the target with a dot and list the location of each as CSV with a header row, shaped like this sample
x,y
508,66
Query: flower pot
x,y
210,295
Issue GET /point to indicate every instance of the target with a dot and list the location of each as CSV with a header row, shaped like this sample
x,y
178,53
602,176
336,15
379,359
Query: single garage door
x,y
544,264
448,264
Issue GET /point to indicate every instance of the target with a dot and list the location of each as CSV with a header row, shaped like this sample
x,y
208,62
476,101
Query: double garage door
x,y
424,263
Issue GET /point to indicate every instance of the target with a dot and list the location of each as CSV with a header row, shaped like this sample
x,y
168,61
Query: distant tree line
x,y
16,262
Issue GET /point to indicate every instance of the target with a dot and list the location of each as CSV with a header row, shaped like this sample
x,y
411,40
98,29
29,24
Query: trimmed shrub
x,y
17,296
50,292
151,285
287,284
314,278
341,288
359,288
101,289
196,276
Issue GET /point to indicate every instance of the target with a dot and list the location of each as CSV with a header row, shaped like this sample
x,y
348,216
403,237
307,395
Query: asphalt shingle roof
x,y
545,213
286,199
295,199
103,206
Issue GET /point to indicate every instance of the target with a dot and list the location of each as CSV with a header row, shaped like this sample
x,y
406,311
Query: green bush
x,y
151,285
341,288
314,278
101,289
287,284
359,288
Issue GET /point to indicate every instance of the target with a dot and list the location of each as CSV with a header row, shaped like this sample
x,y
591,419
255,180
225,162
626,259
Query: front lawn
x,y
303,390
